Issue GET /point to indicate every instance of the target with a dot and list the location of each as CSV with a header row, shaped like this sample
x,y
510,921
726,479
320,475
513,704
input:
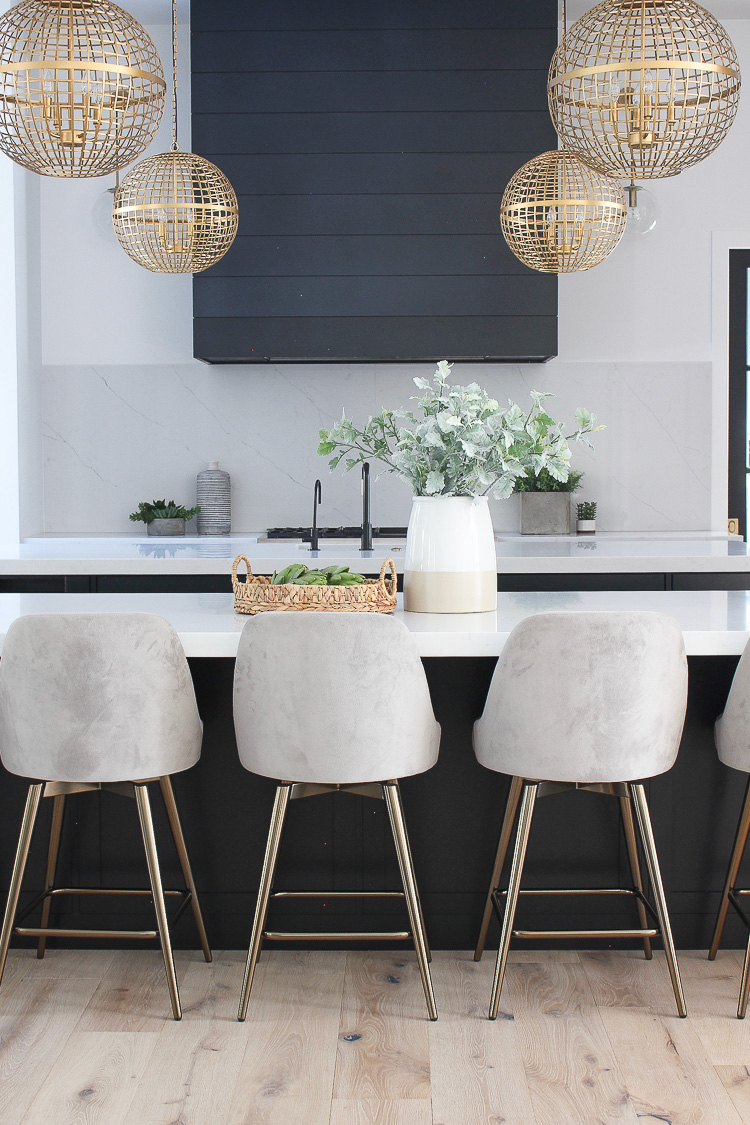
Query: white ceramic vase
x,y
451,563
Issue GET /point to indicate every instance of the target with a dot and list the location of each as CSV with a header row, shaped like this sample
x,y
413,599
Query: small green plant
x,y
545,482
587,510
297,574
162,510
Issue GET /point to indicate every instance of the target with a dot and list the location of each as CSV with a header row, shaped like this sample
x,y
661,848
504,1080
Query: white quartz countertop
x,y
527,554
713,622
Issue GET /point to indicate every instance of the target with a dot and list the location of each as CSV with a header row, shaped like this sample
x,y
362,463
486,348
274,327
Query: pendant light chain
x,y
175,145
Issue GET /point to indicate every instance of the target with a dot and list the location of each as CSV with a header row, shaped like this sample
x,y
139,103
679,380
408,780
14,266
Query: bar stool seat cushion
x,y
586,698
332,699
96,697
732,729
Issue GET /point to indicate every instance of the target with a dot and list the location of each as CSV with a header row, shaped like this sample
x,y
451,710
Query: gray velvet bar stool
x,y
732,735
334,702
592,701
96,701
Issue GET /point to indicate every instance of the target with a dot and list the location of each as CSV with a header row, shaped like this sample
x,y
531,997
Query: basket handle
x,y
388,563
236,563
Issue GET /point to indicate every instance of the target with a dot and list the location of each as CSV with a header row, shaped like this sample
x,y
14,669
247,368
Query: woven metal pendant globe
x,y
82,88
560,216
644,88
175,213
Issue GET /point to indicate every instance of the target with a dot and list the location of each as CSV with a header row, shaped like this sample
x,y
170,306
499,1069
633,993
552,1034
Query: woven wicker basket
x,y
257,593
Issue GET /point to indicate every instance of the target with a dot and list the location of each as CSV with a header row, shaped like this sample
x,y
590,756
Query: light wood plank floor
x,y
342,1039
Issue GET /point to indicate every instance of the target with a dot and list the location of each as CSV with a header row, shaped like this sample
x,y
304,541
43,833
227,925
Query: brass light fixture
x,y
82,89
175,212
560,216
644,88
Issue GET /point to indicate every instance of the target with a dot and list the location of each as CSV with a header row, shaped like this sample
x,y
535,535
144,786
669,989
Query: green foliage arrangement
x,y
297,574
586,510
459,442
162,510
545,482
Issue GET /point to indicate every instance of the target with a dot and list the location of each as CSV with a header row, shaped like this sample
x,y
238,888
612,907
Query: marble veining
x,y
119,434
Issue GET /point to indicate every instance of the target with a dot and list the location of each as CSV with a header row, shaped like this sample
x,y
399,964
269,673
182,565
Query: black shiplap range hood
x,y
369,146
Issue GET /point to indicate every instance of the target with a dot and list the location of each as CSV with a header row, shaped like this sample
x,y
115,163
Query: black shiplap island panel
x,y
369,146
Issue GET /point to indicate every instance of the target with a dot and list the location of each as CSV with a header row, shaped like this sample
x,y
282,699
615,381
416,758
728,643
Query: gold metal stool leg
x,y
740,843
165,784
660,902
392,795
511,807
58,808
22,853
744,985
628,825
519,854
154,874
266,883
411,861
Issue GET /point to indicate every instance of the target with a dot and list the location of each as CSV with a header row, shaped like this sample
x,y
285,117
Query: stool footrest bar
x,y
52,891
337,894
581,891
54,931
277,935
634,933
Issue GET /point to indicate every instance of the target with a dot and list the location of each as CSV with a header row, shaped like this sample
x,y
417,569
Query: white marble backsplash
x,y
115,435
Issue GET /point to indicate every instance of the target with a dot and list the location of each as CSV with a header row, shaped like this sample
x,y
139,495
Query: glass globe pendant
x,y
175,212
560,216
82,89
643,210
644,89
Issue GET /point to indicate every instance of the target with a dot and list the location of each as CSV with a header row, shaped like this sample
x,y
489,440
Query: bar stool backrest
x,y
332,699
96,697
732,729
586,697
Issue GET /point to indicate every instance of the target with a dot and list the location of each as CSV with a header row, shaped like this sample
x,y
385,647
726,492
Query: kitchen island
x,y
454,810
605,561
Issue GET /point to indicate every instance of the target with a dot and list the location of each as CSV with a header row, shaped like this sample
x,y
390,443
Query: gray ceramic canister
x,y
214,496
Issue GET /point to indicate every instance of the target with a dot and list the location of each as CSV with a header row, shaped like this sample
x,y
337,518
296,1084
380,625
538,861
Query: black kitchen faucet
x,y
365,542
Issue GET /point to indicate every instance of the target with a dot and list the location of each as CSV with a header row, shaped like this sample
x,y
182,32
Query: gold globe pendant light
x,y
560,216
82,88
175,212
644,88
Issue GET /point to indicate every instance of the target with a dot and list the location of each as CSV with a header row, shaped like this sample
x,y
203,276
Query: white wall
x,y
9,461
128,414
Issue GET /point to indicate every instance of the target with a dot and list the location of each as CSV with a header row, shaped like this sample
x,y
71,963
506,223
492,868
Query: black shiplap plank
x,y
332,174
259,15
299,133
363,339
378,255
290,51
374,296
311,215
371,91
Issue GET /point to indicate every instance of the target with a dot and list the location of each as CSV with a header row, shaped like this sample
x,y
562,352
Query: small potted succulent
x,y
545,502
163,517
586,521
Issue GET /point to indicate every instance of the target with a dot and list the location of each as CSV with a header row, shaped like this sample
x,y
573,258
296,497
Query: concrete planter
x,y
545,513
166,527
585,527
